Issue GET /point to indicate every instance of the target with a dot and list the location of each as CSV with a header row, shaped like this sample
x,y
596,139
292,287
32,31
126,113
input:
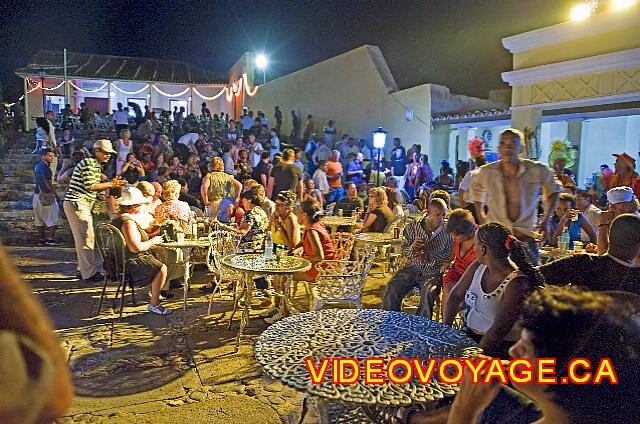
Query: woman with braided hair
x,y
494,288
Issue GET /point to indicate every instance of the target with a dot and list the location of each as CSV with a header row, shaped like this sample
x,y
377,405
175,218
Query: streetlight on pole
x,y
379,139
261,63
42,74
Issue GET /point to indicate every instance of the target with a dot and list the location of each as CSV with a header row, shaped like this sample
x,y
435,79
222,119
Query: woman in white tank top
x,y
125,146
494,288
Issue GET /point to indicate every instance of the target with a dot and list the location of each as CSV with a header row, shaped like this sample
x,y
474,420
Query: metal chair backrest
x,y
329,209
343,242
112,248
197,211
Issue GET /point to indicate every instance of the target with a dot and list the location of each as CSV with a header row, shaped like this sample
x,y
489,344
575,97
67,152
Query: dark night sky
x,y
450,42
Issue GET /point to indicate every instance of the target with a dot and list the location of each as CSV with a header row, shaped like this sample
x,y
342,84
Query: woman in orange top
x,y
462,227
316,244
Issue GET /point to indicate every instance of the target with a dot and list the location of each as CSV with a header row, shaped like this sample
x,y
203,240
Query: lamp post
x,y
379,139
42,74
261,63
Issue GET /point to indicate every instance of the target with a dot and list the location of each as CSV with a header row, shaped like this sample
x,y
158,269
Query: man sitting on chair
x,y
428,247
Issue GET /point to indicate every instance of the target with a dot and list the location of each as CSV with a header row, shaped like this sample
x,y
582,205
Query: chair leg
x,y
317,304
124,288
358,304
133,293
104,292
235,304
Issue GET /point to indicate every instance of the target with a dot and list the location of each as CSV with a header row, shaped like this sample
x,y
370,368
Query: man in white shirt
x,y
322,152
255,149
191,139
589,211
464,192
264,120
247,122
320,178
121,119
511,189
274,143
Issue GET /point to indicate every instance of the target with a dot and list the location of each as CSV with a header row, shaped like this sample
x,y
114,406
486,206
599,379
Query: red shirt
x,y
325,241
460,264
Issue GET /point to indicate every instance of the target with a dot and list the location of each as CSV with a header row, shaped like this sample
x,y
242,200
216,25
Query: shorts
x,y
143,268
45,216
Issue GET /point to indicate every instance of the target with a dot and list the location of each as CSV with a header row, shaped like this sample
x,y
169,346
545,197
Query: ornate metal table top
x,y
256,262
201,242
349,333
338,221
378,238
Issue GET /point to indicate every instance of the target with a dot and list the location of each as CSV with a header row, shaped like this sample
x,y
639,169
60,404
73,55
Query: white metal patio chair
x,y
339,282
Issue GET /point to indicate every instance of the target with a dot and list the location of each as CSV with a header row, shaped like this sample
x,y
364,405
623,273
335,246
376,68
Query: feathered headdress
x,y
476,147
562,150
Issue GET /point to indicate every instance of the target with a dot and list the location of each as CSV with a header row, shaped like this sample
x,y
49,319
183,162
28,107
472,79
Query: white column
x,y
529,119
574,135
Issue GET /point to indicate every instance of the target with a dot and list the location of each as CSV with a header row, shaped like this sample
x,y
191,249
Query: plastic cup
x,y
578,247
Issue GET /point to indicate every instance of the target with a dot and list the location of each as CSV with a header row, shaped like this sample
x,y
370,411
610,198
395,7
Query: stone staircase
x,y
16,191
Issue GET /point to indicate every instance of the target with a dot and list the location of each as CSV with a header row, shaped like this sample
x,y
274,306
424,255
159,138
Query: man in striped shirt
x,y
428,246
85,183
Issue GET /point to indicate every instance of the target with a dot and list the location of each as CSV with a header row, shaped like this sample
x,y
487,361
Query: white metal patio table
x,y
253,264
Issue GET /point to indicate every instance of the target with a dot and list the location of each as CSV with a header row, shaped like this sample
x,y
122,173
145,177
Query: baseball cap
x,y
104,145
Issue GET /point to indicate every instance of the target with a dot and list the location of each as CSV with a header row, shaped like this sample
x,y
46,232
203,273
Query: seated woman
x,y
494,288
145,217
315,246
564,324
462,227
567,216
172,208
253,227
142,266
283,225
379,214
132,170
285,232
394,203
311,192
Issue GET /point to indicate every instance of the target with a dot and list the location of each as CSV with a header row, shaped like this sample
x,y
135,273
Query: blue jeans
x,y
335,194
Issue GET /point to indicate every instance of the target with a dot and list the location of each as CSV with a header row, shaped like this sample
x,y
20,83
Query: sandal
x,y
159,310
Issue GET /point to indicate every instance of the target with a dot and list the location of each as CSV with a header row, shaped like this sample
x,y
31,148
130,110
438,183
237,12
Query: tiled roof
x,y
475,115
117,68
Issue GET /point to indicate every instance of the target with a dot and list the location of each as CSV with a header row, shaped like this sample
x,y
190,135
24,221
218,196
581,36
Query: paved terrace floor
x,y
147,368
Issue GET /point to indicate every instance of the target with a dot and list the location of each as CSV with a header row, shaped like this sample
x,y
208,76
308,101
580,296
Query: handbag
x,y
46,199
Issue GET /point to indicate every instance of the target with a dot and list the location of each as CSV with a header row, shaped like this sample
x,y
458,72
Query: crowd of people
x,y
476,232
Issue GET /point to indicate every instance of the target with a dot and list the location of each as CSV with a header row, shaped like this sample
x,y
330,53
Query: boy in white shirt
x,y
320,177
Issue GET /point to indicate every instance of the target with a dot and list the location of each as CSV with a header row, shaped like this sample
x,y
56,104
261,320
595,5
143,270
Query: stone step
x,y
17,172
15,205
10,167
16,215
23,233
21,157
27,194
13,179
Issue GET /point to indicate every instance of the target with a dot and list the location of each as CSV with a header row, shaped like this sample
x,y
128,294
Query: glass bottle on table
x,y
268,246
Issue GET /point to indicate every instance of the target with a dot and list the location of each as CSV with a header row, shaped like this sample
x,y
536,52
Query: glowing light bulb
x,y
580,12
622,4
261,61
